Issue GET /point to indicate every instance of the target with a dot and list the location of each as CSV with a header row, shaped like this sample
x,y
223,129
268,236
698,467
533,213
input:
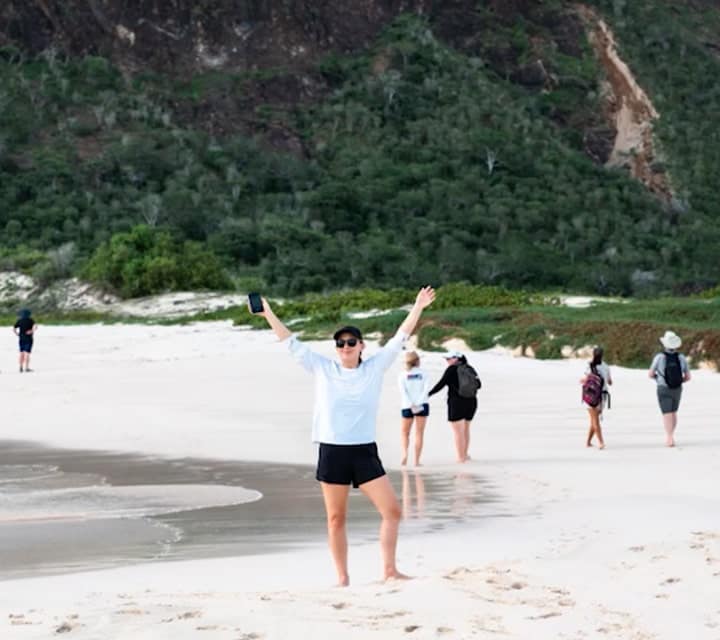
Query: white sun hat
x,y
671,340
452,354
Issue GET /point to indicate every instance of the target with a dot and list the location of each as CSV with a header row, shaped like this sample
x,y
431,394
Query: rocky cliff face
x,y
186,37
183,37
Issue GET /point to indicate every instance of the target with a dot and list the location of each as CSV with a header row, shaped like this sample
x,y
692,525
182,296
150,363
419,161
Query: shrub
x,y
144,261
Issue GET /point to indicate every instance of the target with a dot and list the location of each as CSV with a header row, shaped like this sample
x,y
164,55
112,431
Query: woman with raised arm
x,y
347,393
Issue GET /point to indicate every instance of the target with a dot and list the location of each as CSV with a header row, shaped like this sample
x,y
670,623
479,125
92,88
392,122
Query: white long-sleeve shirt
x,y
346,400
414,386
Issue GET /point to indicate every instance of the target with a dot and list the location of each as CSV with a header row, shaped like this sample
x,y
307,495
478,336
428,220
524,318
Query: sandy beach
x,y
572,542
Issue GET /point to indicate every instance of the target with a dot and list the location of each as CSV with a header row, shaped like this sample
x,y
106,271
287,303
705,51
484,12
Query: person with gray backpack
x,y
463,383
670,371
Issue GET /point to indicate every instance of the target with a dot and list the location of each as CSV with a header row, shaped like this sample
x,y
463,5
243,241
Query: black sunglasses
x,y
350,342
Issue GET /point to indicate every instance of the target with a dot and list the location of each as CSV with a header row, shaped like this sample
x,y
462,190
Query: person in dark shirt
x,y
25,329
461,410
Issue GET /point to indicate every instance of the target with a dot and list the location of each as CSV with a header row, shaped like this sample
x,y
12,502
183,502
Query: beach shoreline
x,y
71,498
621,543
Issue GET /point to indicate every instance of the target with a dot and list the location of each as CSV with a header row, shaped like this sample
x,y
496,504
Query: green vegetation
x,y
629,330
424,164
483,317
146,261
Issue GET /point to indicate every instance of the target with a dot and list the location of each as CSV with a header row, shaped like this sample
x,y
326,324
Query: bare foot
x,y
589,444
403,462
602,445
418,464
395,575
343,582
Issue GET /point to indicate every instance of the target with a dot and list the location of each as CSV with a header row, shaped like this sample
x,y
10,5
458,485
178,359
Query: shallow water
x,y
73,510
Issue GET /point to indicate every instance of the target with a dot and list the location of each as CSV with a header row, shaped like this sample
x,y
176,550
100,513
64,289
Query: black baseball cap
x,y
353,331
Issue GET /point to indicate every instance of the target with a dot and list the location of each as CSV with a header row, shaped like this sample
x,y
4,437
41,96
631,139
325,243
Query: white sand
x,y
622,543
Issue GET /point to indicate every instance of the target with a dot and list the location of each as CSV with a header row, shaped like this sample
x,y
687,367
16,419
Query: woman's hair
x,y
412,359
597,356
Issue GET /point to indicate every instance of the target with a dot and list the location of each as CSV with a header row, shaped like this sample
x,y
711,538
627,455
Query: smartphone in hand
x,y
256,305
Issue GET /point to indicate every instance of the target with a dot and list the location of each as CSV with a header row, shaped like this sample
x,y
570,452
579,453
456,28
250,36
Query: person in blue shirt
x,y
347,394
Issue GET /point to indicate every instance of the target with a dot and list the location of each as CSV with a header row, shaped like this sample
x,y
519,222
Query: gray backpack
x,y
468,381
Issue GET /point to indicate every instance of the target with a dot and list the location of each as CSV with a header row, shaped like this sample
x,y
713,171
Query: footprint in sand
x,y
65,627
19,619
545,616
339,605
131,612
188,615
457,573
670,581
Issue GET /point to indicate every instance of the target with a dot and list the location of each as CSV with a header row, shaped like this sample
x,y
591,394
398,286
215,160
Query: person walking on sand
x,y
347,394
462,383
670,370
596,396
25,329
414,408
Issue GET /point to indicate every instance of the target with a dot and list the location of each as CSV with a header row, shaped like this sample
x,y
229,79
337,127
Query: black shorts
x,y
461,409
348,464
407,413
26,344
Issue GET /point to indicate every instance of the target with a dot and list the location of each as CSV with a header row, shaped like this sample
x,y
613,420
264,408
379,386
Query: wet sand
x,y
289,515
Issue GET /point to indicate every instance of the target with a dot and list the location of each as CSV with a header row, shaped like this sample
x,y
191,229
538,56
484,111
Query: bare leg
x,y
670,422
419,435
466,434
595,429
27,362
381,494
405,426
459,434
595,418
21,360
336,499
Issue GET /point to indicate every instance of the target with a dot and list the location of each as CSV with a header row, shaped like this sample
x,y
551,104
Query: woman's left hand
x,y
425,297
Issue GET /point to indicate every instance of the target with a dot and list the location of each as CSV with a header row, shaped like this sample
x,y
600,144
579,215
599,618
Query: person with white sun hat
x,y
670,370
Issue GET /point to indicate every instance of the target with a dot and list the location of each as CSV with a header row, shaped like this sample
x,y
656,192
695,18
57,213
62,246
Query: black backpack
x,y
468,381
673,370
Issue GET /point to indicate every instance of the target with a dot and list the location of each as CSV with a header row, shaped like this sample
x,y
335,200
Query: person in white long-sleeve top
x,y
415,407
347,394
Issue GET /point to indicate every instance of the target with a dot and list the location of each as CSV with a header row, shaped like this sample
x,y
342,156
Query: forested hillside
x,y
302,146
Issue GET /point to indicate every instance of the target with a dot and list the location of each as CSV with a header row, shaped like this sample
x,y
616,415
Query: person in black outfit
x,y
460,410
25,328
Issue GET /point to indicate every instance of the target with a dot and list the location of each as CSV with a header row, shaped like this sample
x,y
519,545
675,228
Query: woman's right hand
x,y
266,308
